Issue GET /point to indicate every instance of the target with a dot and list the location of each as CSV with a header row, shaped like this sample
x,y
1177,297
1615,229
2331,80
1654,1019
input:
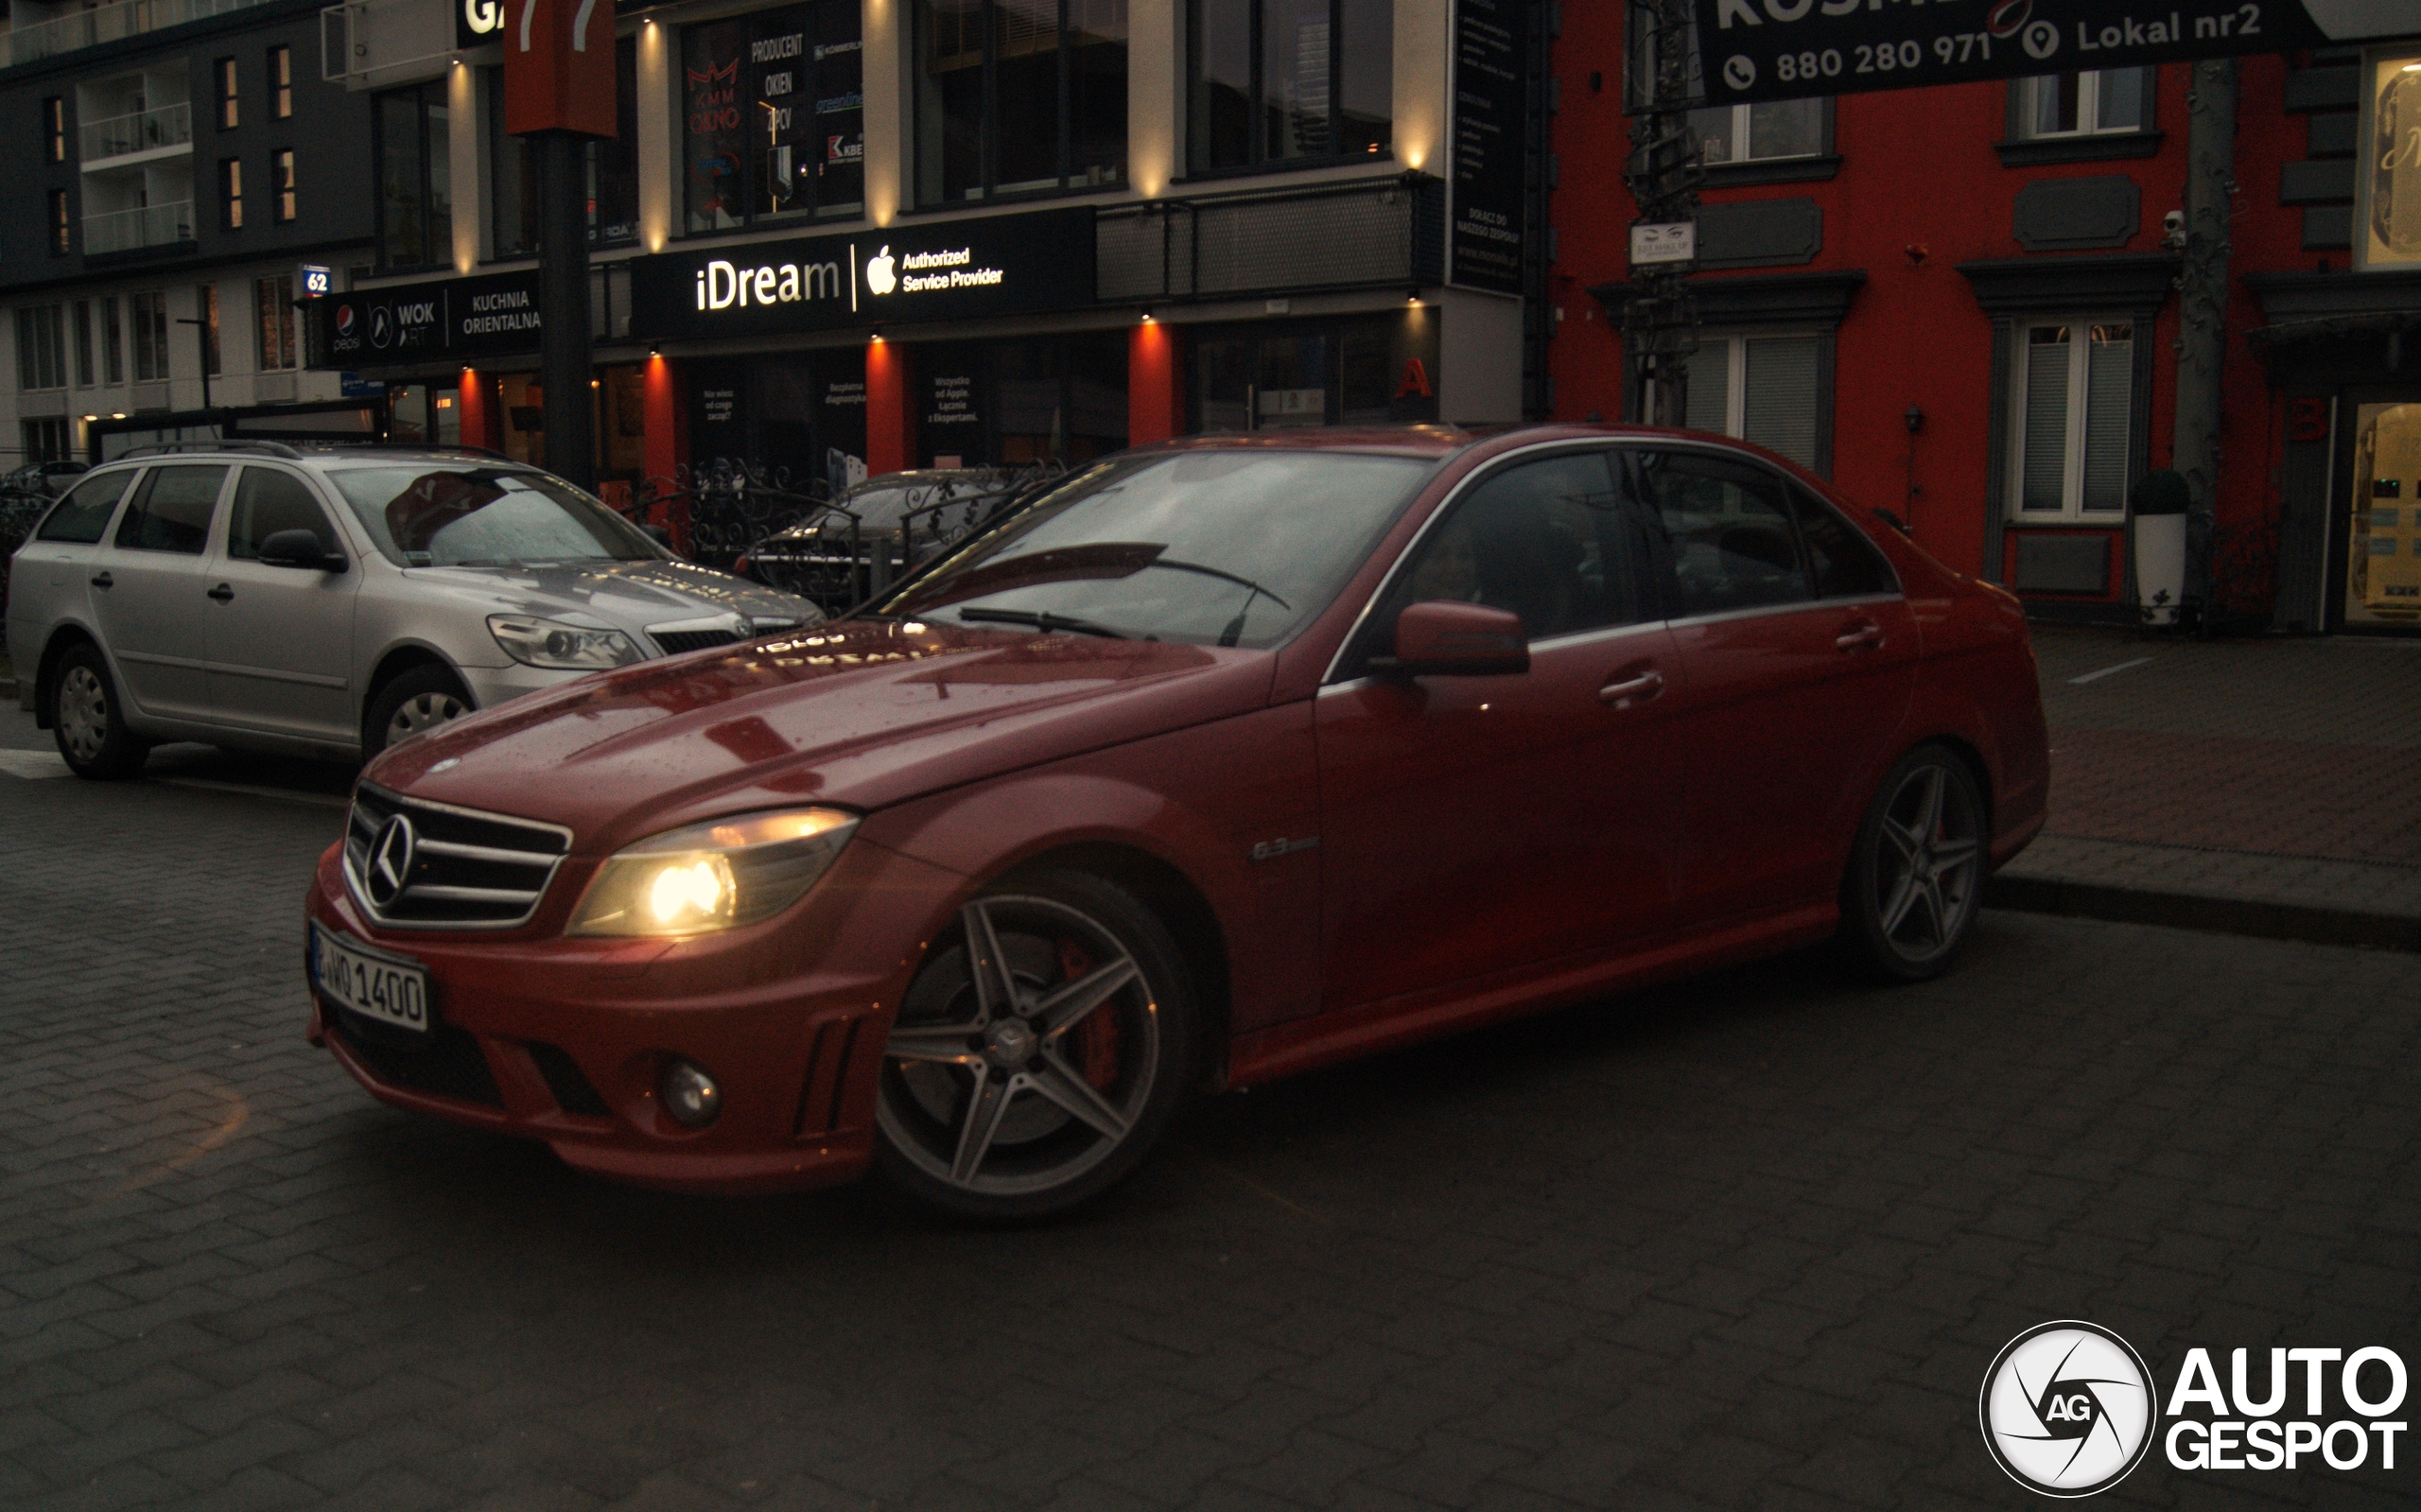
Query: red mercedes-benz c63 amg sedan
x,y
1224,759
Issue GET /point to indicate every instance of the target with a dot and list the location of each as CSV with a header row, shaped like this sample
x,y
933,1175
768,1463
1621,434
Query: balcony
x,y
119,230
111,23
120,136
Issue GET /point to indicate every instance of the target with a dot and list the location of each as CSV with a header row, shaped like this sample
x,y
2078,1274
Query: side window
x,y
1845,564
1727,528
1548,540
173,512
85,513
268,501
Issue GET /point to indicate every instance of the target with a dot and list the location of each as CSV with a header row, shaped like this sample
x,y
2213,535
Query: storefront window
x,y
1372,371
1275,81
775,124
1019,96
613,169
797,422
2389,180
1011,403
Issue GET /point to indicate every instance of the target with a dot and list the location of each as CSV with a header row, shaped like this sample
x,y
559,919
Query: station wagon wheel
x,y
420,699
1918,874
1039,1054
87,721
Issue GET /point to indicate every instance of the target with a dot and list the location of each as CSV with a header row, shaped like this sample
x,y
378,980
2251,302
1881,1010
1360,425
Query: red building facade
x,y
1958,303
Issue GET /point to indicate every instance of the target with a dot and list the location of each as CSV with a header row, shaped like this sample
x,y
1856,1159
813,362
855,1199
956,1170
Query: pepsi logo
x,y
345,319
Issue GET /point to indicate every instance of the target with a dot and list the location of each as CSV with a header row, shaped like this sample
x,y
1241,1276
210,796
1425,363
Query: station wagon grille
x,y
676,641
419,865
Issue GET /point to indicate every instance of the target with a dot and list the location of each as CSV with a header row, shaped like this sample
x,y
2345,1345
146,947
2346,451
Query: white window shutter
x,y
2108,391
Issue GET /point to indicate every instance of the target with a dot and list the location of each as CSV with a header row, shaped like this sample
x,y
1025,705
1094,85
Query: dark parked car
x,y
868,538
1221,760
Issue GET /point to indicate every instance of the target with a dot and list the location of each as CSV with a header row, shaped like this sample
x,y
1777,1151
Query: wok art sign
x,y
1787,49
1001,265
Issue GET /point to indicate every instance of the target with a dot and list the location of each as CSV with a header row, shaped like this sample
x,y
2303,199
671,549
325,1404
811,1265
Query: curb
x,y
2191,911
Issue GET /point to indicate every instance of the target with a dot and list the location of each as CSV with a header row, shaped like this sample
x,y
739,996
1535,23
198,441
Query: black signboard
x,y
1788,50
418,322
911,272
477,23
1491,109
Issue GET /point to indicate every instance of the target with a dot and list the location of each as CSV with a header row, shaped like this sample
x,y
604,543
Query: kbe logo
x,y
2068,1409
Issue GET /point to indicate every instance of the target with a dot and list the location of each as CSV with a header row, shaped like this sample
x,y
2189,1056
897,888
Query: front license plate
x,y
384,987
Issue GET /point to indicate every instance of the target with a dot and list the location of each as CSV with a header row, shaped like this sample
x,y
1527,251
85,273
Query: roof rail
x,y
165,449
442,448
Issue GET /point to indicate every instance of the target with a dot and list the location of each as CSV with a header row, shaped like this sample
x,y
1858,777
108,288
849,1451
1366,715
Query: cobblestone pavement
x,y
1744,1242
2282,772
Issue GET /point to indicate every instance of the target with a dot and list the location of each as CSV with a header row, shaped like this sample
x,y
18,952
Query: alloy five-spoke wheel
x,y
1918,875
1038,1053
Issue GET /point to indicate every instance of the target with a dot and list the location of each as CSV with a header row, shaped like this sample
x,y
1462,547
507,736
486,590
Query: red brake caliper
x,y
1096,1036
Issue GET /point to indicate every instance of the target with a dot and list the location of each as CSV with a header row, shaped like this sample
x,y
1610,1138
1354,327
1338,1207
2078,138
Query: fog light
x,y
690,1095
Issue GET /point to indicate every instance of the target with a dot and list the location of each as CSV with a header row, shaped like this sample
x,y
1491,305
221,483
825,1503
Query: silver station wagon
x,y
331,600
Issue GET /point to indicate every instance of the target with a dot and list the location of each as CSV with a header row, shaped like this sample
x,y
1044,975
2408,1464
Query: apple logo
x,y
879,275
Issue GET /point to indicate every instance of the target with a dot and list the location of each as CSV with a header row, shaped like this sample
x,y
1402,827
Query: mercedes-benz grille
x,y
419,865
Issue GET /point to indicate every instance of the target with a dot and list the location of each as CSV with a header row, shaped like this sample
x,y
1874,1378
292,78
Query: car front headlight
x,y
714,875
563,647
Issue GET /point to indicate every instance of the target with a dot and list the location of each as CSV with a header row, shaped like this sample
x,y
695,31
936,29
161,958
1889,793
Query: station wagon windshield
x,y
1213,547
441,516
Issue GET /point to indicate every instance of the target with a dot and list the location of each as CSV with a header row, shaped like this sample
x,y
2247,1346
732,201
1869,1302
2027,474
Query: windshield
x,y
463,514
1213,548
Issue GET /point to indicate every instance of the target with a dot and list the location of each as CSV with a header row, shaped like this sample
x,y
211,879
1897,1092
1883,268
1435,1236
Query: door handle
x,y
223,593
1643,688
1859,638
101,579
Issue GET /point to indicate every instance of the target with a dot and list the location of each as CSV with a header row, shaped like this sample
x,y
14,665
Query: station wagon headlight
x,y
563,647
715,876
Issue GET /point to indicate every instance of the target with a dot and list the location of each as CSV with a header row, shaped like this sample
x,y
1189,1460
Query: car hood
x,y
860,714
623,595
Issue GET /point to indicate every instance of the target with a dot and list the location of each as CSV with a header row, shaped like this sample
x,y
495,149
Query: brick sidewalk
x,y
2268,787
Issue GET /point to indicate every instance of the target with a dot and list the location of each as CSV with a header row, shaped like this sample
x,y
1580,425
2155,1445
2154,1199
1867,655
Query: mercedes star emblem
x,y
391,860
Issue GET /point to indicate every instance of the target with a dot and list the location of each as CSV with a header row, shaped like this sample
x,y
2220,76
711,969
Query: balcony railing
x,y
111,23
121,135
144,226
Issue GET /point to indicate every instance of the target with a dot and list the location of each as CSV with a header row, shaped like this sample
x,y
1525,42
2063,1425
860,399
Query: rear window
x,y
85,513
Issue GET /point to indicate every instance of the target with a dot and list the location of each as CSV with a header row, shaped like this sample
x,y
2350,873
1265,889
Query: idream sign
x,y
1788,50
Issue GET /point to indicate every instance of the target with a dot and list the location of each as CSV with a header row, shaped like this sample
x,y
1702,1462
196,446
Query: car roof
x,y
308,451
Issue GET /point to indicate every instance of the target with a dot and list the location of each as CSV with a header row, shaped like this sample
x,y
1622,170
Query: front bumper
x,y
491,686
564,1039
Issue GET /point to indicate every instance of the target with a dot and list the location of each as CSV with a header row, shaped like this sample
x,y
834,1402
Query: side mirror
x,y
299,549
1439,637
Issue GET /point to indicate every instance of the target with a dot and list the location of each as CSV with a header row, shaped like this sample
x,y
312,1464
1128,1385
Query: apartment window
x,y
42,347
776,118
1765,390
231,193
415,199
1759,134
54,128
230,113
83,344
1019,96
274,299
2088,104
281,84
46,441
55,217
1280,82
148,316
205,309
2074,396
112,341
280,183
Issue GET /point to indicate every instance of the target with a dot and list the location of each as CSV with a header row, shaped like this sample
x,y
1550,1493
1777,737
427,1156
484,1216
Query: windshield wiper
x,y
1039,620
1176,566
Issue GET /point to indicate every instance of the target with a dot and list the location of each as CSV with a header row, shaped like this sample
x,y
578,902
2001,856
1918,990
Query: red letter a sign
x,y
559,66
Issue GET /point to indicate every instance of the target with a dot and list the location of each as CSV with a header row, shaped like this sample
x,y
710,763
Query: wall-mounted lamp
x,y
1413,298
652,353
1147,317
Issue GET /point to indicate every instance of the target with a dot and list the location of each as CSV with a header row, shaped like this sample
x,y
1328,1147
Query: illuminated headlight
x,y
565,646
713,876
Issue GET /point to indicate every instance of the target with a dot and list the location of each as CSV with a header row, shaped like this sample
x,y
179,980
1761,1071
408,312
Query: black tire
x,y
1077,1096
419,698
1916,876
88,721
